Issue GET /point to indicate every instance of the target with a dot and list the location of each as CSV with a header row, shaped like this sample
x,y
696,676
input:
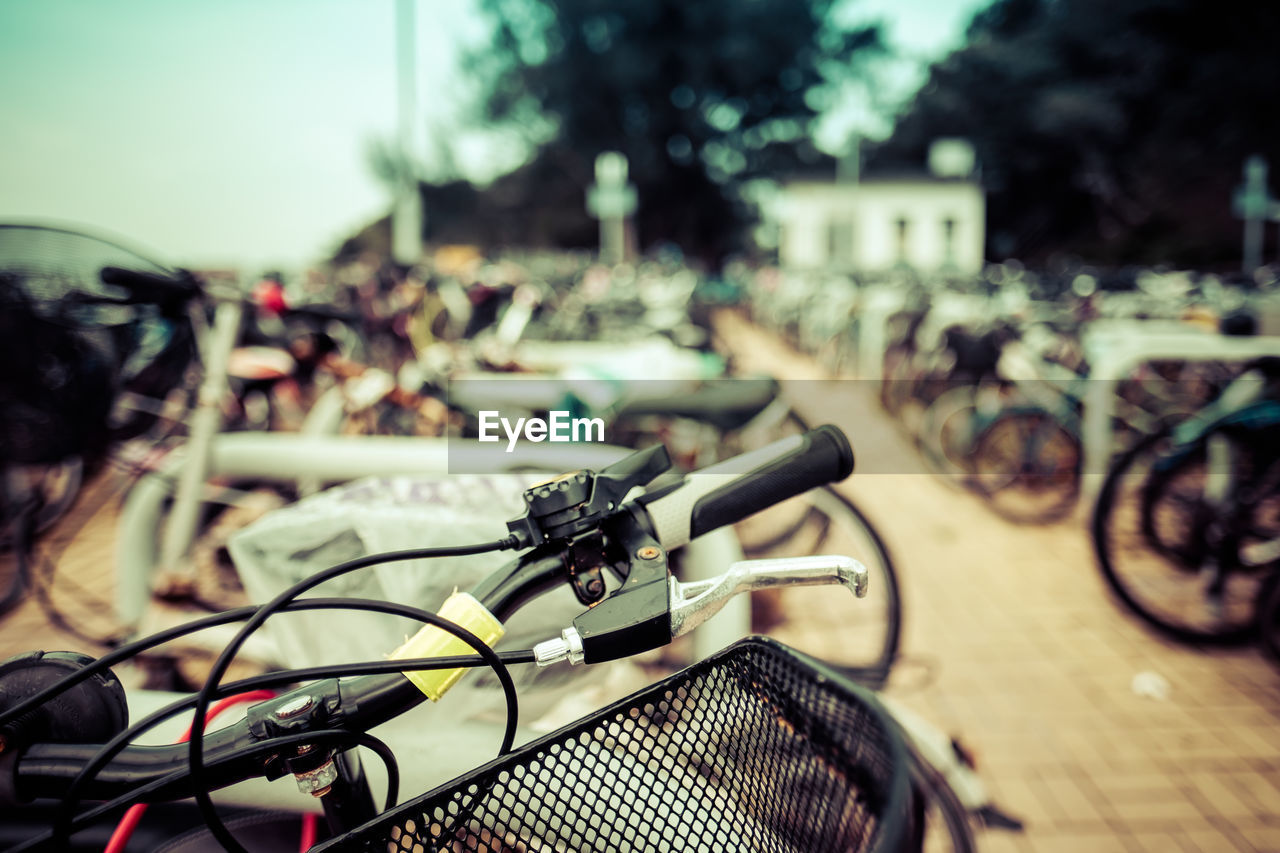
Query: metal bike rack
x,y
1115,348
878,304
294,458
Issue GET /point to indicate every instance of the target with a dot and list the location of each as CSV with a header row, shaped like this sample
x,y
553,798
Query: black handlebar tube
x,y
45,770
379,698
169,291
150,792
242,734
764,477
729,491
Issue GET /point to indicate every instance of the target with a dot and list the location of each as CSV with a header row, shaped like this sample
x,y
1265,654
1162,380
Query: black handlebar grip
x,y
153,287
730,491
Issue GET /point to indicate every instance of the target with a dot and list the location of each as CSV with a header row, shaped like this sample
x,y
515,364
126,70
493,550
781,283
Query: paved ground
x,y
1011,643
75,571
1031,664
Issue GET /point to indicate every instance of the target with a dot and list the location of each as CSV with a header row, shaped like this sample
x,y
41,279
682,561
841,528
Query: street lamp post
x,y
406,215
611,199
1254,204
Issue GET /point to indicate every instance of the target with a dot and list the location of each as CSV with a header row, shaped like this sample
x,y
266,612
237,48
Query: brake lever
x,y
694,603
652,608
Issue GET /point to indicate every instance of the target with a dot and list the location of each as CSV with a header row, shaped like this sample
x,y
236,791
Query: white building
x,y
930,222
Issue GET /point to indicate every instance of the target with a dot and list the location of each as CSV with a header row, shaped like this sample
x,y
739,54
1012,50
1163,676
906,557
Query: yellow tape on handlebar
x,y
432,642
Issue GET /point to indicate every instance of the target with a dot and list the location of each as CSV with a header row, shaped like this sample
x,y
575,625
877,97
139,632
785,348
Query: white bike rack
x,y
293,458
880,302
1115,348
877,304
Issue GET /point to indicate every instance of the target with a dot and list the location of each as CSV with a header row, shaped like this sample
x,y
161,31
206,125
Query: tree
x,y
1115,131
702,96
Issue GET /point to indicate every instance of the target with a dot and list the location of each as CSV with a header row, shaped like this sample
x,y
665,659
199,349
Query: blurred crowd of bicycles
x,y
992,378
108,357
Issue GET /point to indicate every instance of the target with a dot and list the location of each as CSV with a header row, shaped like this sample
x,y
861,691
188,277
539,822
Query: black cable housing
x,y
195,755
57,837
63,819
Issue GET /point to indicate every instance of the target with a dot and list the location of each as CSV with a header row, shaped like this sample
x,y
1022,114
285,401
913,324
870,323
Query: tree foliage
x,y
1110,130
702,96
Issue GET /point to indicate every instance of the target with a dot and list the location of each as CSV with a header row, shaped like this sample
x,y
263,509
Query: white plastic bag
x,y
392,514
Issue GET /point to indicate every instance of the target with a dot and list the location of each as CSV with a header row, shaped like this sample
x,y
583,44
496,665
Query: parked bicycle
x,y
755,748
1187,525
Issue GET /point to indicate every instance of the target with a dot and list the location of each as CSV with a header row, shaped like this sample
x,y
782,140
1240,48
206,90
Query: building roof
x,y
898,176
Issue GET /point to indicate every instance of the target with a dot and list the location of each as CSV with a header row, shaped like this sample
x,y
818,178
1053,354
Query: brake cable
x,y
63,819
195,754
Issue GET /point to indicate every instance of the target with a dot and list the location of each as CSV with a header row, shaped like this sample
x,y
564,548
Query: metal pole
x,y
611,200
406,218
206,421
1255,188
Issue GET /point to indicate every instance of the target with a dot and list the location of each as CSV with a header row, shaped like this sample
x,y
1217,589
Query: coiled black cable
x,y
136,647
64,822
195,753
57,839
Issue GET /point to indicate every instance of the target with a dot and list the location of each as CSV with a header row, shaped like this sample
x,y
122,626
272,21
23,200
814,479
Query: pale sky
x,y
236,132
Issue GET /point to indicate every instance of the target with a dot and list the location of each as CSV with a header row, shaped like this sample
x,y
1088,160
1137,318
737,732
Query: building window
x,y
903,226
949,241
840,241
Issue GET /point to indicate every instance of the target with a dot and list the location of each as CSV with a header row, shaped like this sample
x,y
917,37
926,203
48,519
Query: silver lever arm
x,y
691,604
696,602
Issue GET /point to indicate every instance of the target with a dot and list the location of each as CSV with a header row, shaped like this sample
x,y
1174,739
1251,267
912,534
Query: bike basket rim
x,y
758,747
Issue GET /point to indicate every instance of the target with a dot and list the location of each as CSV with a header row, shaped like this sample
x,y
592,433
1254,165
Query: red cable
x,y
309,822
120,838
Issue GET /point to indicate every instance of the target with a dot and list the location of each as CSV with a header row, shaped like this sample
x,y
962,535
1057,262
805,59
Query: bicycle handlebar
x,y
154,287
719,495
729,491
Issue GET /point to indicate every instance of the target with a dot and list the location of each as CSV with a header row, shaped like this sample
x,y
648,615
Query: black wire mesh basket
x,y
757,748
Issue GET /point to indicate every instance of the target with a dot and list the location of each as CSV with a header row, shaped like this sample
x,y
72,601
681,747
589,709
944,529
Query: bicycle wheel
x,y
1151,534
896,384
860,637
940,810
49,489
1268,618
946,433
1026,463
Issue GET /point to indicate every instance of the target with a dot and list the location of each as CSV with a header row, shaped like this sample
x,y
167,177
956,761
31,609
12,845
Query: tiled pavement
x,y
1010,643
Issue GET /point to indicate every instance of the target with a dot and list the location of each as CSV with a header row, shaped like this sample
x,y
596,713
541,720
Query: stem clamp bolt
x,y
293,707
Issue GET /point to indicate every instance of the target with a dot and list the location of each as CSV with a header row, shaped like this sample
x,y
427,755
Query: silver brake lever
x,y
696,602
691,604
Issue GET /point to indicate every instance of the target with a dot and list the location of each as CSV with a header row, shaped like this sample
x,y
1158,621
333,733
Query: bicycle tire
x,y
1011,469
58,486
896,383
930,788
945,438
19,573
1122,548
1268,618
